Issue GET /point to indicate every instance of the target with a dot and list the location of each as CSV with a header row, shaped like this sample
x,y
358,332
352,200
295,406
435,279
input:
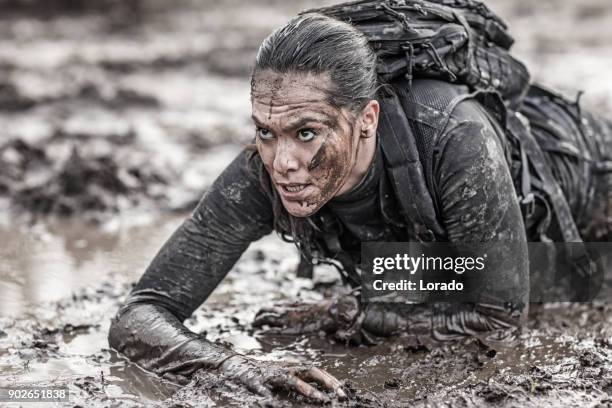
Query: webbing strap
x,y
550,186
407,175
576,251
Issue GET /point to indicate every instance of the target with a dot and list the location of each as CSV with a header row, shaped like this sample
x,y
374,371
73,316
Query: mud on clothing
x,y
478,203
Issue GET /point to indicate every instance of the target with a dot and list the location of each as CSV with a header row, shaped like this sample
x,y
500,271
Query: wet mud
x,y
123,113
562,357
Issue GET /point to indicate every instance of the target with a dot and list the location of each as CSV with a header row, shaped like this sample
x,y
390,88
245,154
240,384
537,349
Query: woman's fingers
x,y
261,377
293,318
289,381
325,379
305,389
278,315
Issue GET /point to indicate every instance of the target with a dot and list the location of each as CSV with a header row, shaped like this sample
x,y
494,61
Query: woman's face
x,y
307,145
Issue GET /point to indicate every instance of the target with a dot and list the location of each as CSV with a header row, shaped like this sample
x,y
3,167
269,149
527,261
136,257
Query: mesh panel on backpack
x,y
431,98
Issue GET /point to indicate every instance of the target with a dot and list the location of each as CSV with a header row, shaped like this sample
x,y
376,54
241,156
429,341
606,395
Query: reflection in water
x,y
42,269
50,262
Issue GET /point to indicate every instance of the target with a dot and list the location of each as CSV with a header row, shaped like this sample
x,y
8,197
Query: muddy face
x,y
307,145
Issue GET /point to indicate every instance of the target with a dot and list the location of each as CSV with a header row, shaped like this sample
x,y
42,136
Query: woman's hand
x,y
262,377
297,318
329,316
341,317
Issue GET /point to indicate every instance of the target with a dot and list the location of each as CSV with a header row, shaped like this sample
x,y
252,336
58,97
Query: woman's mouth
x,y
294,191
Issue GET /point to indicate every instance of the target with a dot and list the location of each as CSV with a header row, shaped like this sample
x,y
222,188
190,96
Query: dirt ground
x,y
114,119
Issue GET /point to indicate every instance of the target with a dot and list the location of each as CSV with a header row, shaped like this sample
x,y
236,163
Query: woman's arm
x,y
148,329
481,215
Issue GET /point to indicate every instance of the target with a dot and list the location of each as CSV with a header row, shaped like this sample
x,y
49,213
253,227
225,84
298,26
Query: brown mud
x,y
124,112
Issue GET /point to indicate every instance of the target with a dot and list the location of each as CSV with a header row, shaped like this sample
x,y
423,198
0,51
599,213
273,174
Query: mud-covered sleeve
x,y
482,218
148,329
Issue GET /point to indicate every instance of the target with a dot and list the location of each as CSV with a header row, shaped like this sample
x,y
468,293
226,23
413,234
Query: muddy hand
x,y
297,318
261,377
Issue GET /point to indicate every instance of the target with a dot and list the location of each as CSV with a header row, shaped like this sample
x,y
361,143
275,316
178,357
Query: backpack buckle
x,y
527,204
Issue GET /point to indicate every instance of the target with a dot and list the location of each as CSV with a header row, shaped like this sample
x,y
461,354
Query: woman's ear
x,y
369,119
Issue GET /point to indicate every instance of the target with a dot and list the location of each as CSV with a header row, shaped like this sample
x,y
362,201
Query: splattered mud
x,y
125,114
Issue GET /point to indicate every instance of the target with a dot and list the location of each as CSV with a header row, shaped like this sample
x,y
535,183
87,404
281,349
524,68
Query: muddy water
x,y
60,283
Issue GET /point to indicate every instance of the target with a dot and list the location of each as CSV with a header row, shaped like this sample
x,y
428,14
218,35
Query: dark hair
x,y
316,44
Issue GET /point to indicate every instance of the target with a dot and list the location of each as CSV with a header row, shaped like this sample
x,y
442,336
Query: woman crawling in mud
x,y
323,173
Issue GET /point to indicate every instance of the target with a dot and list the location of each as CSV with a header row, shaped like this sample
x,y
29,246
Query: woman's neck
x,y
364,156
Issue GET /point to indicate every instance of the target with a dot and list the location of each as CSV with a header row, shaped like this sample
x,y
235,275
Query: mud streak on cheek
x,y
318,158
334,171
331,166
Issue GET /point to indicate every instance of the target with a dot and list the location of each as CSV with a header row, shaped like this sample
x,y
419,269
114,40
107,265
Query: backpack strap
x,y
405,170
410,122
549,185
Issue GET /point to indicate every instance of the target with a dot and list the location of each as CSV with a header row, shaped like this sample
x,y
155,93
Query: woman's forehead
x,y
275,88
281,100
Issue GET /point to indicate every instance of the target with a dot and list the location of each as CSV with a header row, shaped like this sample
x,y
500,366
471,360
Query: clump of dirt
x,y
122,110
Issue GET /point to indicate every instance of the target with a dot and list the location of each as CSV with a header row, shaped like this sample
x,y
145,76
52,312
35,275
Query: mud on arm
x,y
478,204
148,328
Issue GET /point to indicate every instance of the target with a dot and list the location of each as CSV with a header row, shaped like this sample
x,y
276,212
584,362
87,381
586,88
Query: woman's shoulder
x,y
433,107
244,180
427,99
438,110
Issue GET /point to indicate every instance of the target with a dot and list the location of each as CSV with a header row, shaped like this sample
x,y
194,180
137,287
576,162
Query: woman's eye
x,y
264,134
306,135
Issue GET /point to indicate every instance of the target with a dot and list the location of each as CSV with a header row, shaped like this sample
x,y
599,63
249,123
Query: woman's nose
x,y
285,159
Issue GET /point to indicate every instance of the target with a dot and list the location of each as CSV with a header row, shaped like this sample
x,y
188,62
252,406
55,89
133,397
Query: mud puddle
x,y
61,282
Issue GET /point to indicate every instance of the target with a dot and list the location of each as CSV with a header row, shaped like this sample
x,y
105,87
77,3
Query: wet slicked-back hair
x,y
316,44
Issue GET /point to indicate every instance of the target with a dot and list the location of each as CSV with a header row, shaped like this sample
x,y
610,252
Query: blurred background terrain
x,y
111,105
115,117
